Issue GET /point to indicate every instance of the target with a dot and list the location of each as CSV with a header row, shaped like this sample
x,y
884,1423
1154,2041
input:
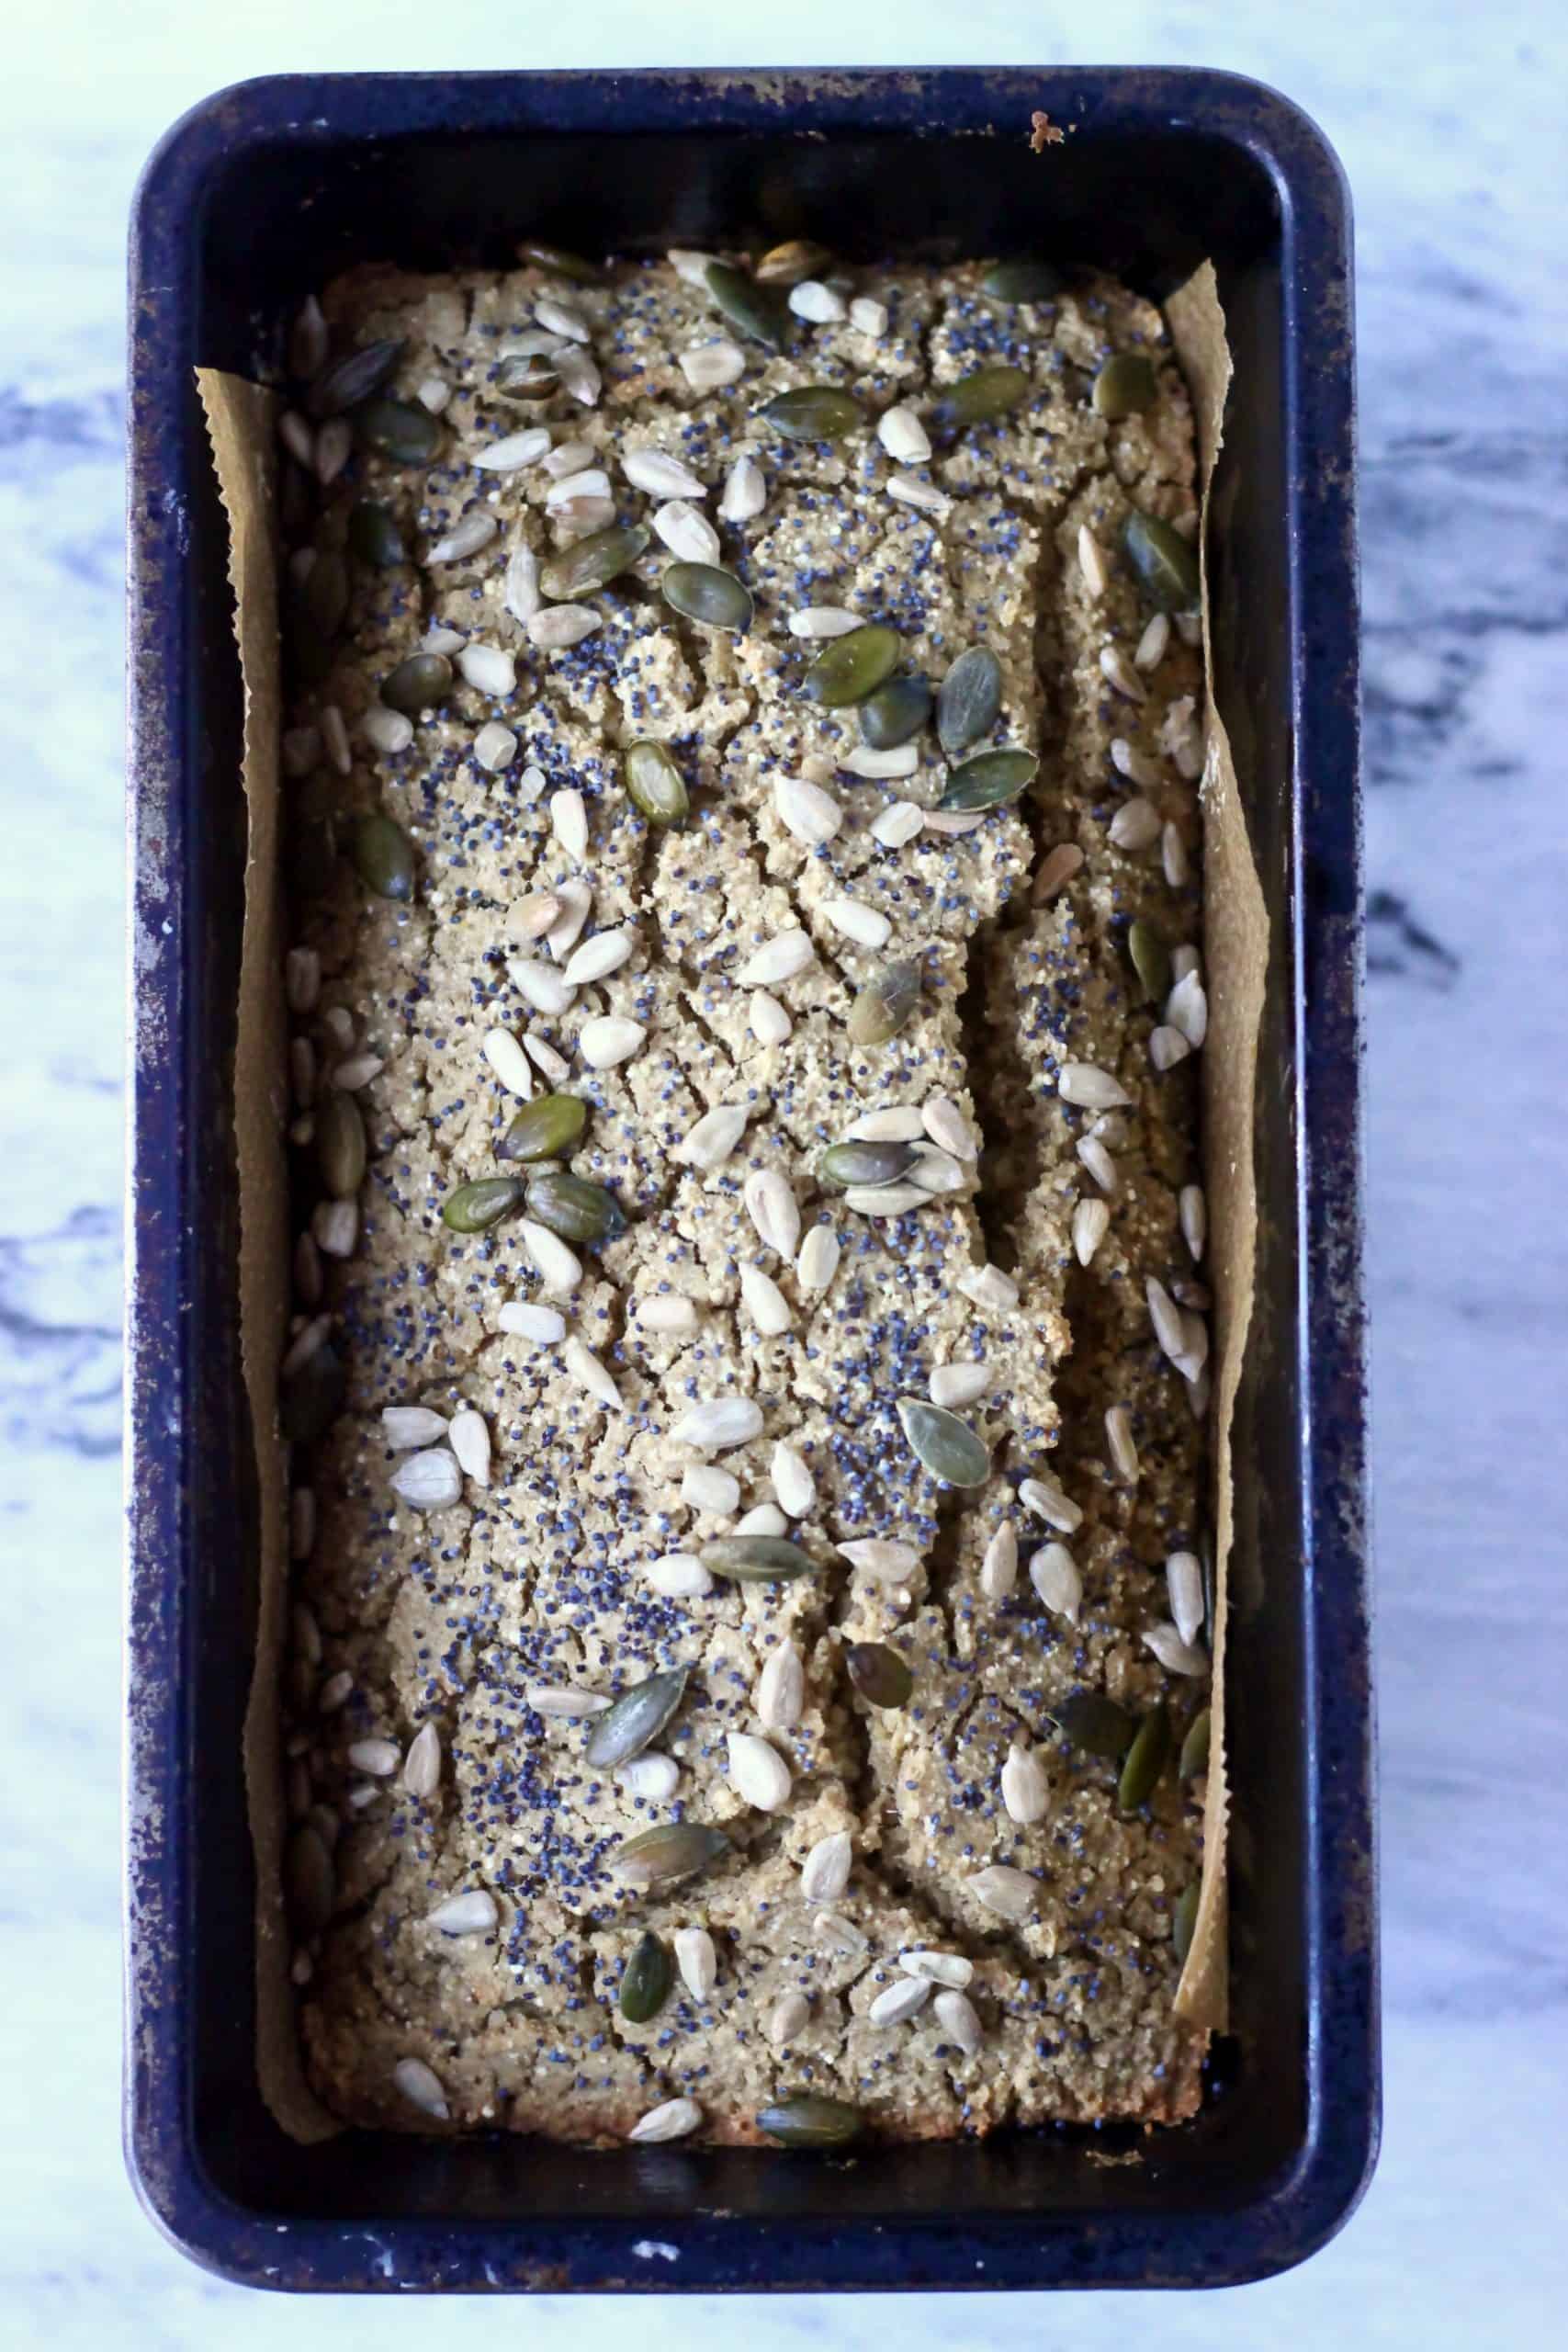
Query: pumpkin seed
x,y
989,780
895,712
563,264
1146,1761
383,857
1194,1757
654,783
344,382
703,593
545,1128
755,1559
675,1850
978,399
845,1164
1124,385
1096,1724
1184,1922
636,1718
760,311
399,431
813,412
473,1208
575,1208
879,1674
594,560
340,1143
1150,960
422,683
645,1982
526,375
947,1447
970,698
789,264
312,1395
884,1004
1021,281
373,536
852,666
809,2119
1165,563
326,591
309,1880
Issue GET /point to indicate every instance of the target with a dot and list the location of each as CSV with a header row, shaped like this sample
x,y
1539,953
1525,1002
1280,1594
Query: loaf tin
x,y
262,194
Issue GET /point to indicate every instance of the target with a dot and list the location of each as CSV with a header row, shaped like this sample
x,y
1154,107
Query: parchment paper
x,y
240,424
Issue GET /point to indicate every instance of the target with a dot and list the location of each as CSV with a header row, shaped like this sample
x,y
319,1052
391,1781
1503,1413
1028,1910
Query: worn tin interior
x,y
256,199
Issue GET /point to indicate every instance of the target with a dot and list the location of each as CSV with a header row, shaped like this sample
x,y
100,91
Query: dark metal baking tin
x,y
262,194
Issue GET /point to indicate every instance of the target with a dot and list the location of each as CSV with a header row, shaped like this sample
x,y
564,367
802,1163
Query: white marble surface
x,y
1447,122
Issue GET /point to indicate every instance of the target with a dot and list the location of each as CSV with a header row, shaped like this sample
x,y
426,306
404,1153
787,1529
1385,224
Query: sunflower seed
x,y
1184,1583
991,1291
1167,1047
522,1320
1025,1790
764,1302
525,377
495,747
1154,643
817,621
718,1423
804,809
473,1913
757,1773
675,2120
667,1311
608,1040
787,2019
793,1482
745,491
585,1368
1119,1445
960,2020
762,1519
561,1701
1044,1496
1166,1317
818,1259
599,957
1091,1222
1184,959
772,1209
379,1757
781,1689
1057,868
714,1138
540,984
428,1481
898,824
788,953
661,475
1010,1893
1176,1655
421,1764
882,1557
334,1691
558,1267
472,532
1090,1088
903,435
910,491
567,487
679,1577
1173,857
1135,826
334,1227
945,1445
470,1439
822,305
954,1386
405,1425
561,625
1119,672
520,585
1194,1210
825,1873
1188,1009
687,532
698,1961
421,2088
709,367
868,317
513,451
1092,563
1167,567
1099,1162
1135,765
899,2001
1054,1573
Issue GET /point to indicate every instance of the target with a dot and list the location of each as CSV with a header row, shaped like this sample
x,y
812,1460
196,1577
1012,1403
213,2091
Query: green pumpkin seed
x,y
1194,1757
969,701
638,1716
879,1674
675,1850
703,592
308,1882
1021,281
326,591
989,780
895,712
1146,1761
594,560
576,1209
946,1446
1184,1922
813,412
791,262
473,1208
545,1128
526,375
422,683
1165,563
343,383
845,1164
884,1004
399,431
654,783
1096,1724
645,1982
373,536
312,1396
1206,1566
1124,385
564,264
755,1559
852,666
760,311
809,2119
340,1143
978,399
1150,960
383,857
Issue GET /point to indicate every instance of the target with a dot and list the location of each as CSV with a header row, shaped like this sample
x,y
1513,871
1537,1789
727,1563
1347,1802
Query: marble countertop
x,y
1447,127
